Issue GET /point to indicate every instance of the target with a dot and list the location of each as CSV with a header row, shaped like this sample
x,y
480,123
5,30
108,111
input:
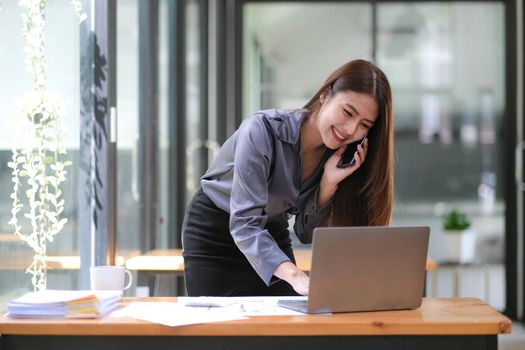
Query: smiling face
x,y
345,117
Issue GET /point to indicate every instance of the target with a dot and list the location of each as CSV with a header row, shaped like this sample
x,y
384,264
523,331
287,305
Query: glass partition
x,y
445,62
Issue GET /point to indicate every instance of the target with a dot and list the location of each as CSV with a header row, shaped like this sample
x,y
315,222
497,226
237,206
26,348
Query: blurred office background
x,y
187,72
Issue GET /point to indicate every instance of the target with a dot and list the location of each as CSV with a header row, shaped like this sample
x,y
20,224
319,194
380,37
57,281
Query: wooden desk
x,y
170,260
53,262
9,237
159,261
440,323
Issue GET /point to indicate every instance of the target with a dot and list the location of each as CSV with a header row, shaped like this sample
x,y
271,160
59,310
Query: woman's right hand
x,y
296,278
333,175
301,283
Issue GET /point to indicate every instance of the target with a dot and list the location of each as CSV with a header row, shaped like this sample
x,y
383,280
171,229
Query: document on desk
x,y
204,310
174,314
247,306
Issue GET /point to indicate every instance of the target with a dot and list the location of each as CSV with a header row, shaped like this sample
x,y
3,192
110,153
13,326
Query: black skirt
x,y
214,265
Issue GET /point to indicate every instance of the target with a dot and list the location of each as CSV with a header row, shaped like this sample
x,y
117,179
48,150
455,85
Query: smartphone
x,y
348,156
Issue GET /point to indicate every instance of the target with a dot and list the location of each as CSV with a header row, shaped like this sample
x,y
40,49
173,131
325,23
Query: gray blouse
x,y
256,178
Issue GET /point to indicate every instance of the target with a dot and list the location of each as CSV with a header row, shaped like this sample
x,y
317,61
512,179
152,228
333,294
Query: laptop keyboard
x,y
297,305
292,302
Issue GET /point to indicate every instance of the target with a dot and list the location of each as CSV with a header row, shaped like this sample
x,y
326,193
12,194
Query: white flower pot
x,y
459,246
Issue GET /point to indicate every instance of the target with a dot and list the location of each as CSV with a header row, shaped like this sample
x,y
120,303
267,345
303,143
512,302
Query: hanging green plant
x,y
37,166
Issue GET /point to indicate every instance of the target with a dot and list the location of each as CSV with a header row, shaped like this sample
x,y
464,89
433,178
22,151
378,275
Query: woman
x,y
281,163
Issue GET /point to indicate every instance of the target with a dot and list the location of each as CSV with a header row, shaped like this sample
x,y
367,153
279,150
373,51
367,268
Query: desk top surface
x,y
436,316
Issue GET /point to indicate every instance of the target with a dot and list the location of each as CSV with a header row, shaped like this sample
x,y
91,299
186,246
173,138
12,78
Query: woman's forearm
x,y
326,192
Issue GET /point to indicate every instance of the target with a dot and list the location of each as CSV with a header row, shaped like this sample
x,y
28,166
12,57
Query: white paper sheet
x,y
174,314
247,306
179,313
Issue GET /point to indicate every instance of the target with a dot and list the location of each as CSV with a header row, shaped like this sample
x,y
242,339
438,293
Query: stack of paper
x,y
64,304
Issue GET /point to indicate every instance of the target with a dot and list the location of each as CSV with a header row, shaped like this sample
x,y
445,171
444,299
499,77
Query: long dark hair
x,y
365,198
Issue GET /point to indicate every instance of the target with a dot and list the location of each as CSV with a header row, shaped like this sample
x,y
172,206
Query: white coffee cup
x,y
110,278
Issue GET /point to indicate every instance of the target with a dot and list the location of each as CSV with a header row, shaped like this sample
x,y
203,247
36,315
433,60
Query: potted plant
x,y
459,238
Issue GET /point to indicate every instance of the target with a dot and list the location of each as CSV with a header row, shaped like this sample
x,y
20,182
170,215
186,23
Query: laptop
x,y
365,269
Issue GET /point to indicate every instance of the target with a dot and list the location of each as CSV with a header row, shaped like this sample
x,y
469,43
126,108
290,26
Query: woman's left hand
x,y
333,175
